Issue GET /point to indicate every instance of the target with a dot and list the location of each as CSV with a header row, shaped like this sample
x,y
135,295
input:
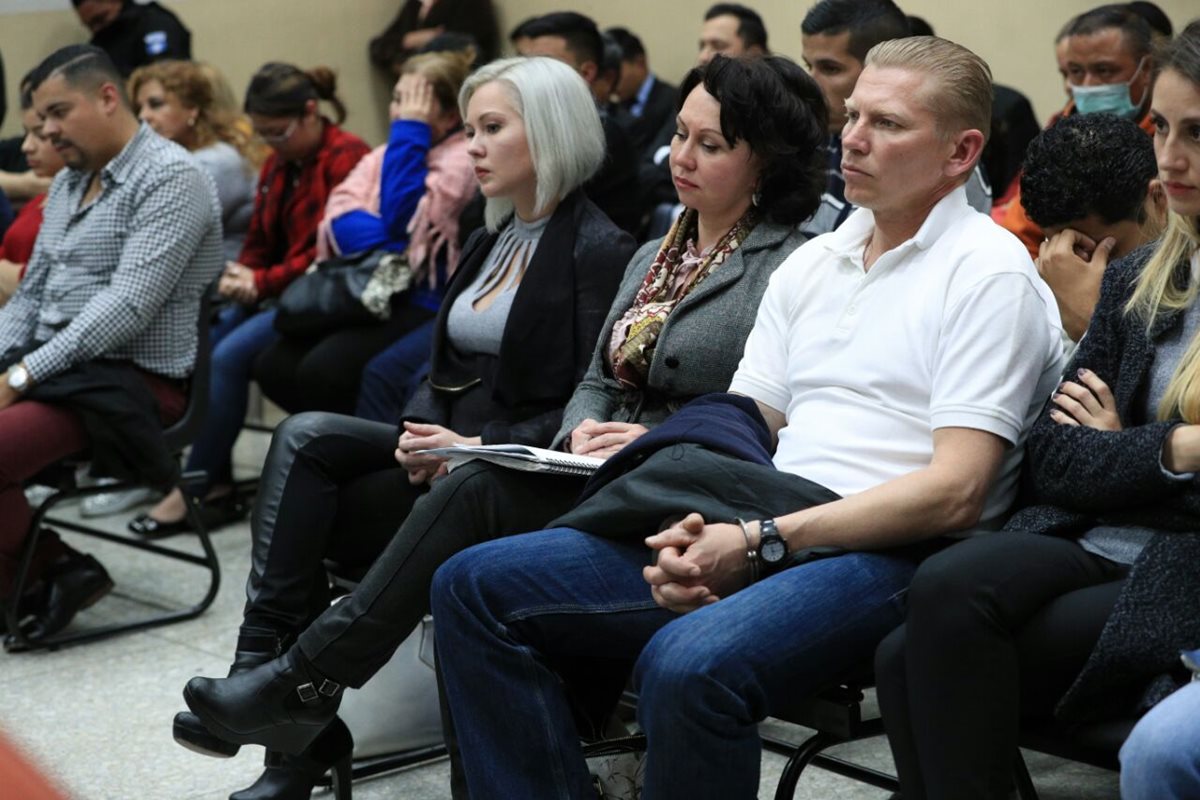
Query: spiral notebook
x,y
518,456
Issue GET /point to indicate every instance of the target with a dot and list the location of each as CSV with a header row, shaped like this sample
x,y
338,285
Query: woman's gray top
x,y
236,181
473,331
1123,544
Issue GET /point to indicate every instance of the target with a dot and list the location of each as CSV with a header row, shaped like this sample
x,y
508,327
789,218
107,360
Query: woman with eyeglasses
x,y
310,156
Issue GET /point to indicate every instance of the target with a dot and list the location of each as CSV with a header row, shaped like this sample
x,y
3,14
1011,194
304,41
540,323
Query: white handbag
x,y
397,709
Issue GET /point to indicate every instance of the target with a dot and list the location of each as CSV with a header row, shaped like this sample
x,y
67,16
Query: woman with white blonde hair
x,y
513,337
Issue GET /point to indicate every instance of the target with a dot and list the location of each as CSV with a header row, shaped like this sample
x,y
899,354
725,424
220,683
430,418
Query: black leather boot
x,y
282,705
293,777
254,646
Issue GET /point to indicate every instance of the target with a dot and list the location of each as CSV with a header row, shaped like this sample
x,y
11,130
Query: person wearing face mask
x,y
1109,65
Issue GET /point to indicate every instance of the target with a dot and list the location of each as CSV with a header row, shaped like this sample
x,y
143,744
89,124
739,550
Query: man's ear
x,y
109,97
968,146
589,70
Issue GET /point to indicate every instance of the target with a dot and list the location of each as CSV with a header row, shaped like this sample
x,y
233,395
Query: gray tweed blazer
x,y
700,344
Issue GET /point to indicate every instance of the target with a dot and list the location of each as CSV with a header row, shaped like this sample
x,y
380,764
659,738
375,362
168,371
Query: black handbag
x,y
342,292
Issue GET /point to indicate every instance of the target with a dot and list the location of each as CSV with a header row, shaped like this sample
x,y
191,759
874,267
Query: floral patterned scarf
x,y
675,272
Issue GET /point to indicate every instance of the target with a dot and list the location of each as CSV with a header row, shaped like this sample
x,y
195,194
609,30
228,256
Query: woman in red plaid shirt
x,y
311,155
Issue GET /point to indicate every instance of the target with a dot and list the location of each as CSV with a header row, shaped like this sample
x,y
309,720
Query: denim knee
x,y
1159,759
679,673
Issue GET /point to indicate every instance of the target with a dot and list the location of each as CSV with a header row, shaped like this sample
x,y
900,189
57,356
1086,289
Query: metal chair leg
x,y
1025,787
208,561
800,759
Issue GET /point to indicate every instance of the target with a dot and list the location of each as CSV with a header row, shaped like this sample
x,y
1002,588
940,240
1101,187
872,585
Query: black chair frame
x,y
177,436
836,716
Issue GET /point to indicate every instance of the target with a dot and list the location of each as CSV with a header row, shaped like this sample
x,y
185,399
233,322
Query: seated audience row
x,y
310,156
1080,608
513,337
819,343
837,525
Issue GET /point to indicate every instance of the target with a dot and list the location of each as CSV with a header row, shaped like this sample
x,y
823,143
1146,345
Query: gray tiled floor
x,y
97,717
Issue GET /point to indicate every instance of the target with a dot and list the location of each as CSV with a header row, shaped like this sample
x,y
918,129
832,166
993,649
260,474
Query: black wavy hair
x,y
779,110
580,33
751,29
869,22
1088,164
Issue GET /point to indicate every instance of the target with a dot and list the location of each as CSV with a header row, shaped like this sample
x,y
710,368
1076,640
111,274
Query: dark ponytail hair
x,y
283,90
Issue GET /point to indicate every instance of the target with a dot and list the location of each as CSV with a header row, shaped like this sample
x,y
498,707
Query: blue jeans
x,y
508,609
391,377
1161,758
238,336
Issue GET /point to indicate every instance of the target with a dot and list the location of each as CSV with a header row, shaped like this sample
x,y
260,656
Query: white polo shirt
x,y
953,328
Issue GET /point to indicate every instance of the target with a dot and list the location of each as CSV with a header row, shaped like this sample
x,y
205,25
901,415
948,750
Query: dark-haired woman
x,y
311,155
675,331
1079,610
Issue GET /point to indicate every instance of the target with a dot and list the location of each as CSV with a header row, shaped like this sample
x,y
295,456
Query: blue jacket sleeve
x,y
404,172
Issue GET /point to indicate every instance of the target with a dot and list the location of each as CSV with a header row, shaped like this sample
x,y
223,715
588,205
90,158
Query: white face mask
x,y
1107,98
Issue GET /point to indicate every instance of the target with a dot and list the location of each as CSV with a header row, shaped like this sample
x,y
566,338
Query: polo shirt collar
x,y
848,240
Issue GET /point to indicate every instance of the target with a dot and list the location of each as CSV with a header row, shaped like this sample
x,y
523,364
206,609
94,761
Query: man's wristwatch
x,y
772,549
18,379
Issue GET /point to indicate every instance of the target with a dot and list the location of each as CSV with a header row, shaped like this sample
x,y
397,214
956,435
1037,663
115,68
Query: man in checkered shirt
x,y
131,238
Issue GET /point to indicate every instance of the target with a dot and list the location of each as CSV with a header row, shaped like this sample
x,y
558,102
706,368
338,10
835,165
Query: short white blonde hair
x,y
963,99
562,126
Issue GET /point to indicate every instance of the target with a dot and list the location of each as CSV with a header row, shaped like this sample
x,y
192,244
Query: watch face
x,y
773,551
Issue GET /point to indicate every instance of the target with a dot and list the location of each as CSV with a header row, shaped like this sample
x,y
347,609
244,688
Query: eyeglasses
x,y
278,138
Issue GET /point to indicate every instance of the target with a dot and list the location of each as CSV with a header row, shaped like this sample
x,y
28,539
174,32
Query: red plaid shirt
x,y
282,240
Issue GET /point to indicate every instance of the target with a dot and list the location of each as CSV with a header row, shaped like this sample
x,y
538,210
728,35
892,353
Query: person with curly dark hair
x,y
1087,184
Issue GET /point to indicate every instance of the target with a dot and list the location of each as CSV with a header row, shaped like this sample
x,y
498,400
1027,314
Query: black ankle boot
x,y
282,705
293,777
255,646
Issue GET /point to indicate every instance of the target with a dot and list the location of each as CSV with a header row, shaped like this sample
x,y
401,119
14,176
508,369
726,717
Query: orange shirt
x,y
1014,218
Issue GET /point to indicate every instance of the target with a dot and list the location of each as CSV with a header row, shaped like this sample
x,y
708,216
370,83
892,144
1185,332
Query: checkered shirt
x,y
120,278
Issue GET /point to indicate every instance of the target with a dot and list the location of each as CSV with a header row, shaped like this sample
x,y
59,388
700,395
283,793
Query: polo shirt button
x,y
852,309
672,362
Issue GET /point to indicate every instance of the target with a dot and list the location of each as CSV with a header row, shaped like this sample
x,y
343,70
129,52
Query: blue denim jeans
x,y
239,335
391,376
1161,758
507,609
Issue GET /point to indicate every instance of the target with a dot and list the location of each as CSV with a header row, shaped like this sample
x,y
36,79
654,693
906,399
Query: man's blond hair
x,y
962,99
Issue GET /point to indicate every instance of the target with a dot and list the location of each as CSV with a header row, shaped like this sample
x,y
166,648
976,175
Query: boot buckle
x,y
329,688
307,692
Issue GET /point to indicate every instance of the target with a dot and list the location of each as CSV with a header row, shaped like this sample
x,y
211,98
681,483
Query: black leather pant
x,y
998,627
330,488
477,502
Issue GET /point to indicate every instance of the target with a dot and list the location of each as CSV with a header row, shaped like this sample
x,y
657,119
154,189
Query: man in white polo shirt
x,y
894,369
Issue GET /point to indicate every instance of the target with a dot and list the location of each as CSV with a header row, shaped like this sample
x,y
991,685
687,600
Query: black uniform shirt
x,y
141,34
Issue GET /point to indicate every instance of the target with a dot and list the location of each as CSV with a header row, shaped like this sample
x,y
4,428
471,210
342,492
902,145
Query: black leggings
x,y
998,627
323,374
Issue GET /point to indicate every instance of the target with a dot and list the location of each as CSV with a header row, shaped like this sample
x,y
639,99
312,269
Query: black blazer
x,y
555,320
1078,478
660,107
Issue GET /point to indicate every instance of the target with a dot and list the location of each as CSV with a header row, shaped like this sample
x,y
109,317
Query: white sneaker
x,y
109,503
36,494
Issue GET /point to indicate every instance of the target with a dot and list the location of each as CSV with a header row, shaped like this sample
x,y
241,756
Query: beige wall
x,y
1015,36
239,35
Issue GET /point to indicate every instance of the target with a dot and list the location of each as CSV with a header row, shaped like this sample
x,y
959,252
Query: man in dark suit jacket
x,y
575,40
648,100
